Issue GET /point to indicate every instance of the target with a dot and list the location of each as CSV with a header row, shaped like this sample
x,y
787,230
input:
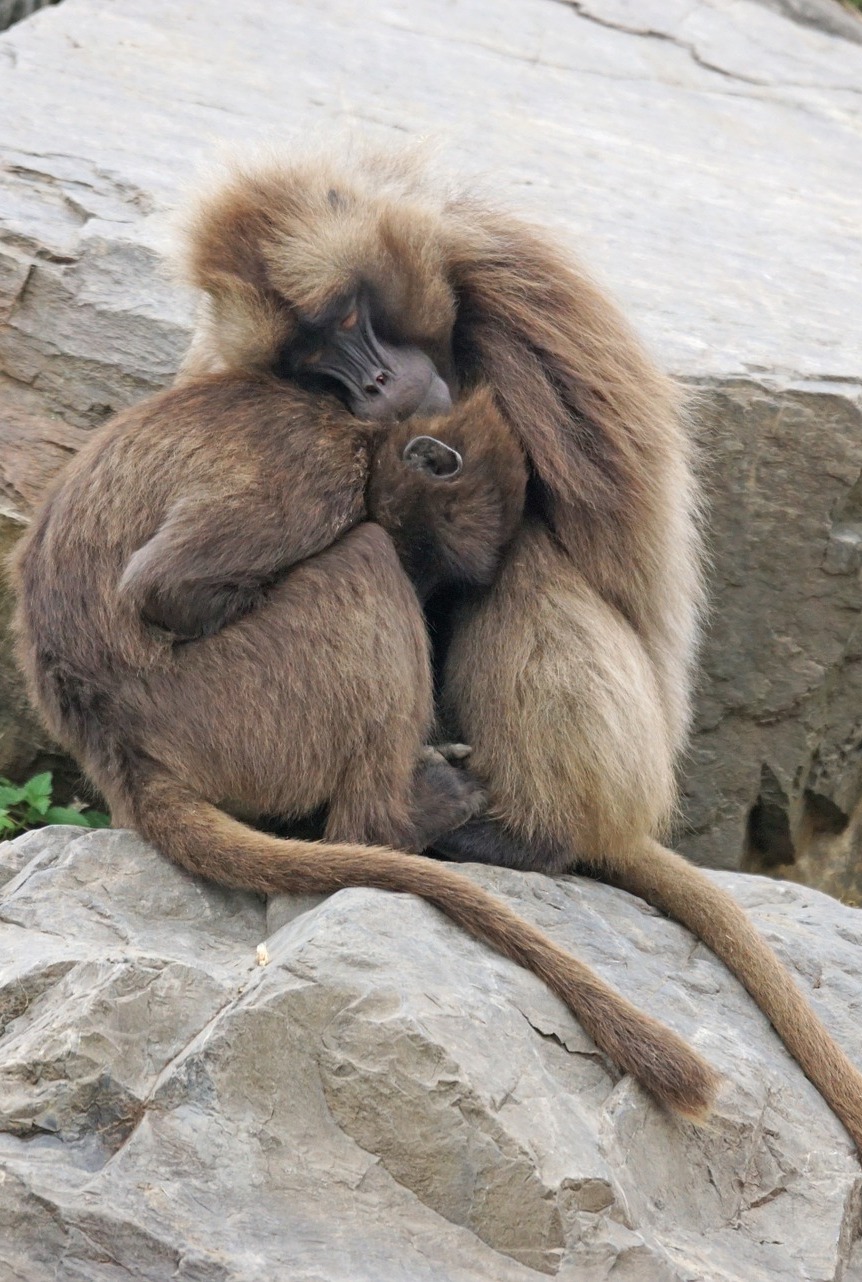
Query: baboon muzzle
x,y
381,380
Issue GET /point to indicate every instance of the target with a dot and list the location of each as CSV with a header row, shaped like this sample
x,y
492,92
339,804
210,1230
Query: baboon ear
x,y
427,454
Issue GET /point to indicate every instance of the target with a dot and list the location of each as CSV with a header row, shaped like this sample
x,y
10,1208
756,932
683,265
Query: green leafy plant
x,y
29,806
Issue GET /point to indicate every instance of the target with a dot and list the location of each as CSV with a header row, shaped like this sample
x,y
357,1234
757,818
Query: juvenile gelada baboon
x,y
569,674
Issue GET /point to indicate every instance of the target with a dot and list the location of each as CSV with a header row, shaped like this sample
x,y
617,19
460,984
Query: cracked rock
x,y
387,1098
776,759
700,154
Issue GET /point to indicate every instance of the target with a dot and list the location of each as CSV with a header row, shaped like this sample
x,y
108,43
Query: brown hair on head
x,y
273,245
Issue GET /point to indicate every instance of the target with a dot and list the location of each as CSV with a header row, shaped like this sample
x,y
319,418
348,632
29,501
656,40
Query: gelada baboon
x,y
206,620
569,675
235,500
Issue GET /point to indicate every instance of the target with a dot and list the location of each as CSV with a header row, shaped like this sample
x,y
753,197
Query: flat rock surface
x,y
388,1099
703,157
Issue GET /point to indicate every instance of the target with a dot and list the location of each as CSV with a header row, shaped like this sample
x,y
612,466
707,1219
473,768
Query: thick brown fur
x,y
570,677
238,501
206,620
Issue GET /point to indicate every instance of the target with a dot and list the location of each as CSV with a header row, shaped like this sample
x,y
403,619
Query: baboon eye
x,y
312,358
350,319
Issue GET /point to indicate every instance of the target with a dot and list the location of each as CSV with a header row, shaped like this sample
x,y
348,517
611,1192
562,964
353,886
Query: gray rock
x,y
20,736
780,711
702,156
826,15
385,1097
14,10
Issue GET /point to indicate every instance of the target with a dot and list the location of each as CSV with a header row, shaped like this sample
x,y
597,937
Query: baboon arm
x,y
213,558
599,422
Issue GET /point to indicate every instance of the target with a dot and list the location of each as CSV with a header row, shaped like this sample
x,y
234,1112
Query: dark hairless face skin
x,y
376,379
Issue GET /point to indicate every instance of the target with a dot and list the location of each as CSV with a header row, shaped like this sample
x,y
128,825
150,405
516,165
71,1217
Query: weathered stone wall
x,y
702,156
780,710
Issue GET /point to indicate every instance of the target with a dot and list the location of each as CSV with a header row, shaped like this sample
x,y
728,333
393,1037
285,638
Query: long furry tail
x,y
686,894
206,841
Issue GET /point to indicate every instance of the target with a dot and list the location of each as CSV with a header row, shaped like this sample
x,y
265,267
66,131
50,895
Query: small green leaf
x,y
65,815
37,792
97,819
38,784
29,806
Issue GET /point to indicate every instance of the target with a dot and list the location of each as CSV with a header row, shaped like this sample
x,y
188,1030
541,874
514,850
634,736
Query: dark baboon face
x,y
349,351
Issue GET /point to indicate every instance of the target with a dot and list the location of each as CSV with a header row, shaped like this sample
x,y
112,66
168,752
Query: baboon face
x,y
350,349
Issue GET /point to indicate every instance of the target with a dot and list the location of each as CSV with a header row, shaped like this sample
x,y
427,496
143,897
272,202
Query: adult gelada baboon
x,y
570,677
206,619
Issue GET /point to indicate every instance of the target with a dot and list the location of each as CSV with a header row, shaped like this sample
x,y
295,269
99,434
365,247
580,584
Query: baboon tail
x,y
712,915
206,841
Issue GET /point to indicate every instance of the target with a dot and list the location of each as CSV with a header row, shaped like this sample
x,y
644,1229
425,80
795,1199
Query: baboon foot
x,y
444,797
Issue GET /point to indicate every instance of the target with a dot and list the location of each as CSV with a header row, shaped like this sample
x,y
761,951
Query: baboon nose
x,y
380,380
